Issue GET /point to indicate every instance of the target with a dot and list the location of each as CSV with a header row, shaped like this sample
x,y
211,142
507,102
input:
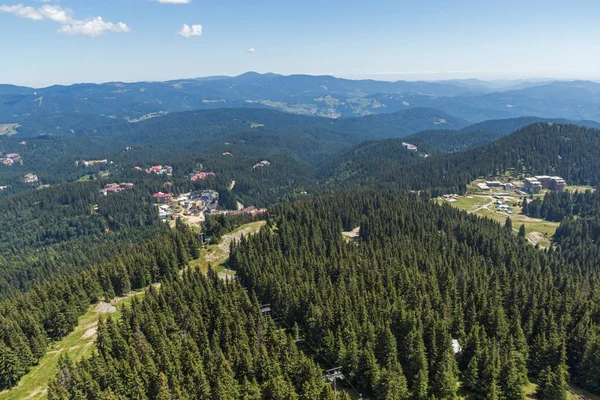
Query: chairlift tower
x,y
265,309
332,375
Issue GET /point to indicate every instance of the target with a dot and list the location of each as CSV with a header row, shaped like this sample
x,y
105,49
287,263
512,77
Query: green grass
x,y
8,129
76,345
87,178
579,188
470,204
538,231
217,255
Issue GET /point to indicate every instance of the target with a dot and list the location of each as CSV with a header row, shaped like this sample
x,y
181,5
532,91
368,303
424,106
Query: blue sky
x,y
45,42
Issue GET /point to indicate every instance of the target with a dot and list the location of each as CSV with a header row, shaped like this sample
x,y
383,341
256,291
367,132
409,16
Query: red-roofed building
x,y
161,197
201,176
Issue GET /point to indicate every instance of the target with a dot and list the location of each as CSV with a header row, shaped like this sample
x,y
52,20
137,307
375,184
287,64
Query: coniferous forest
x,y
428,302
386,308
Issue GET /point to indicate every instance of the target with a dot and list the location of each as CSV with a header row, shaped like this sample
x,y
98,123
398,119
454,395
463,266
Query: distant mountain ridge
x,y
327,96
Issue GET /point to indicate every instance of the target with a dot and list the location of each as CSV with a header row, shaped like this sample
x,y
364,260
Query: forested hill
x,y
386,310
399,124
206,124
510,125
483,133
542,148
451,141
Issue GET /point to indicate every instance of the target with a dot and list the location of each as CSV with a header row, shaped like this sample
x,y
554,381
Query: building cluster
x,y
160,170
504,207
193,203
263,163
88,163
30,178
248,210
194,176
496,184
450,198
537,183
116,188
202,200
409,146
10,158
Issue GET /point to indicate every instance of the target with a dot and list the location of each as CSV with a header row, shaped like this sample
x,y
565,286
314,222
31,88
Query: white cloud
x,y
92,26
189,31
174,1
251,50
57,13
22,11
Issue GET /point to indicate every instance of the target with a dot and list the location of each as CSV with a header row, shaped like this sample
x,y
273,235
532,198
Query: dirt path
x,y
483,207
223,247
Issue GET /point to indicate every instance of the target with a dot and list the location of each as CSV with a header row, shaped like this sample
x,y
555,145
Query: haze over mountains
x,y
470,100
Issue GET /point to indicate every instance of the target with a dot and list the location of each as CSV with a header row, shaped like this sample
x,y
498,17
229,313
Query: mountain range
x,y
46,110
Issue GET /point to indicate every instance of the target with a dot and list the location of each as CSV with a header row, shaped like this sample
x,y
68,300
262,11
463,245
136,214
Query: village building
x,y
160,170
200,175
537,183
161,197
204,200
116,188
87,163
483,186
494,184
263,163
533,185
10,158
409,146
248,210
557,183
30,178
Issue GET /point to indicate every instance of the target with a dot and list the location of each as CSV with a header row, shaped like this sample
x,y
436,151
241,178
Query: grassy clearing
x,y
470,203
579,188
87,178
8,129
78,344
217,255
538,231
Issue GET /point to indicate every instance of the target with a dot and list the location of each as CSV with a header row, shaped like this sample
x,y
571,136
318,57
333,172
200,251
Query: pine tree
x,y
445,382
510,380
508,224
392,384
163,392
552,384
